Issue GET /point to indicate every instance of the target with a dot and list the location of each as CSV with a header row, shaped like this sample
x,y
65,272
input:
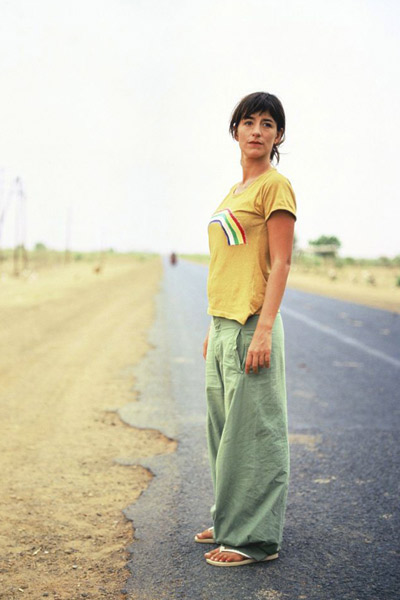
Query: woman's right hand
x,y
205,346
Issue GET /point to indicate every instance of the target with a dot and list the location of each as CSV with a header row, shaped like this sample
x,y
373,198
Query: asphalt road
x,y
342,525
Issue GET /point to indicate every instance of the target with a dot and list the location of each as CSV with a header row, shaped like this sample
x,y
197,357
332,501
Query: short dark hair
x,y
256,103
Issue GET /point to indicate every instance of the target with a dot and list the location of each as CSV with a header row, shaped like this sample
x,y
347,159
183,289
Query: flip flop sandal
x,y
238,563
205,540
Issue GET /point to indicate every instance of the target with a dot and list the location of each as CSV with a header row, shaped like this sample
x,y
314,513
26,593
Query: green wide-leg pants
x,y
247,439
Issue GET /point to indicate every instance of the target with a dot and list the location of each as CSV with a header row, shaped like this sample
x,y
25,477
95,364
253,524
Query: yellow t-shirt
x,y
238,237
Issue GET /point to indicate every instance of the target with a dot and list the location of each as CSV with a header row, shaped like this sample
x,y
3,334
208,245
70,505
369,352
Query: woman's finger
x,y
249,362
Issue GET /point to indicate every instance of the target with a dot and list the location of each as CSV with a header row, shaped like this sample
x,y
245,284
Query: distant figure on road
x,y
251,239
173,259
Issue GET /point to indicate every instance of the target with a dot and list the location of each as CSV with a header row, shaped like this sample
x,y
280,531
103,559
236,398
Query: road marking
x,y
342,338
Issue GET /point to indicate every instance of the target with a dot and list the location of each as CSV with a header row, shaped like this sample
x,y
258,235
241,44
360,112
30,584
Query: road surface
x,y
341,533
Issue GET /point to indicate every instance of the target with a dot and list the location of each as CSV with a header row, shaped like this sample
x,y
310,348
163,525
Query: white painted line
x,y
342,338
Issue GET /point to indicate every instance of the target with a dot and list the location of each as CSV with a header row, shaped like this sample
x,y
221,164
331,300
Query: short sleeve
x,y
278,194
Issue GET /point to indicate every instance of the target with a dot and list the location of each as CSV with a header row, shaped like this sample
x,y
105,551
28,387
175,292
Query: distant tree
x,y
40,247
384,261
326,246
326,240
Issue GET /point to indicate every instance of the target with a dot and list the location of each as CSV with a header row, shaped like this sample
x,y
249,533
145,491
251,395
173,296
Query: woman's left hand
x,y
259,352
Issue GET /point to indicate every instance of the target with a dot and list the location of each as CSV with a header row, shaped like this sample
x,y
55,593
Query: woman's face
x,y
257,134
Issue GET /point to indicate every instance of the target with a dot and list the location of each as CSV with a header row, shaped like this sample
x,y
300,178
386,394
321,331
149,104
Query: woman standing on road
x,y
251,239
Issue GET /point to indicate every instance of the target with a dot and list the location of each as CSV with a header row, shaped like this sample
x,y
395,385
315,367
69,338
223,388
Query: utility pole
x,y
20,253
102,254
68,232
3,207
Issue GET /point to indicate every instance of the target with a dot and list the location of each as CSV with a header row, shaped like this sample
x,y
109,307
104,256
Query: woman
x,y
251,239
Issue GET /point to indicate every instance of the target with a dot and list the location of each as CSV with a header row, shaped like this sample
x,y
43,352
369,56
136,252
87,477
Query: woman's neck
x,y
253,169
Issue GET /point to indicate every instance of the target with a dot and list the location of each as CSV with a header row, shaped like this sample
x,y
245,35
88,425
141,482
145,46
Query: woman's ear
x,y
279,136
235,134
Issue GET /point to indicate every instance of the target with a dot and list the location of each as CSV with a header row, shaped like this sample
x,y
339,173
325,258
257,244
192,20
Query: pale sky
x,y
116,112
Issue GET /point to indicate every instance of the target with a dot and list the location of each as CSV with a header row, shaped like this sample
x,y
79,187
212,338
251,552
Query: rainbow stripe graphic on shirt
x,y
231,227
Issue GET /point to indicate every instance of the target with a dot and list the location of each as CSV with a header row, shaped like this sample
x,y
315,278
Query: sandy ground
x,y
350,286
373,286
69,340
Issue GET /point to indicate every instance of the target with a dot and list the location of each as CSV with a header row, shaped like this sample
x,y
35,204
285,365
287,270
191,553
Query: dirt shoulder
x,y
71,339
350,287
374,286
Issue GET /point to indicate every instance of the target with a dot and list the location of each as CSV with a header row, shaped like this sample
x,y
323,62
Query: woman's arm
x,y
280,238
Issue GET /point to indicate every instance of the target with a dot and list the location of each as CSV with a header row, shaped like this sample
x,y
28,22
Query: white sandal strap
x,y
233,550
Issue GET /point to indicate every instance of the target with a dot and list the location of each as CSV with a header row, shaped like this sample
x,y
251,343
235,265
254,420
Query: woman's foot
x,y
219,556
206,535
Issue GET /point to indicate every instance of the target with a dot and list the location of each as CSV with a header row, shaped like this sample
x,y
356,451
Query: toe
x,y
230,557
206,534
220,556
